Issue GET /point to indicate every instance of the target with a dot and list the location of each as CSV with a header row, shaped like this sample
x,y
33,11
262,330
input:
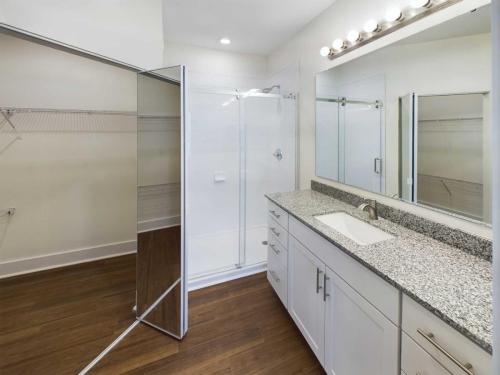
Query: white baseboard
x,y
45,262
62,259
221,277
159,223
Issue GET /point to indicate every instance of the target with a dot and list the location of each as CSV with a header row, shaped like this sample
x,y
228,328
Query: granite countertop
x,y
449,282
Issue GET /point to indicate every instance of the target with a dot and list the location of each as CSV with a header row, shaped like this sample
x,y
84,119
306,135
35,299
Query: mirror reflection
x,y
411,120
160,250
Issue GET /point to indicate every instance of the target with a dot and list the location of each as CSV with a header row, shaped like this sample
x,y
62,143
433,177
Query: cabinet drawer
x,y
430,332
372,287
276,250
415,360
277,259
276,231
278,214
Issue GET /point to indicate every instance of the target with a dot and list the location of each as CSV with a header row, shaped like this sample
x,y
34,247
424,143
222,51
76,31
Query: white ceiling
x,y
254,26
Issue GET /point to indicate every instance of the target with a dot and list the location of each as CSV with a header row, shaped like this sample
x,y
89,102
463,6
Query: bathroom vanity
x,y
409,120
407,304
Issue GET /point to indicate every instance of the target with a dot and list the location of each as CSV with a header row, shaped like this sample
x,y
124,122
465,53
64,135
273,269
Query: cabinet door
x,y
305,295
359,340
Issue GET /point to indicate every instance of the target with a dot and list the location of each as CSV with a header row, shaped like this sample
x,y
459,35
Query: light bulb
x,y
338,44
324,51
421,3
225,41
371,26
393,14
353,36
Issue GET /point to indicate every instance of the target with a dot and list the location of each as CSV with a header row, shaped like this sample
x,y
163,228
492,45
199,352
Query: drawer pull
x,y
277,216
276,251
275,277
276,233
325,279
318,287
465,367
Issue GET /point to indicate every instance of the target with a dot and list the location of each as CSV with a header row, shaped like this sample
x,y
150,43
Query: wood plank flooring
x,y
55,322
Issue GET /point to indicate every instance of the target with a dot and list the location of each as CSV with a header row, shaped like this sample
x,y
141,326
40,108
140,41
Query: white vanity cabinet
x,y
355,322
359,339
277,251
343,325
305,295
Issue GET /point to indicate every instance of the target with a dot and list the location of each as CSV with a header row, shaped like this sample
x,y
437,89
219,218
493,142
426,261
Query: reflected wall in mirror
x,y
411,120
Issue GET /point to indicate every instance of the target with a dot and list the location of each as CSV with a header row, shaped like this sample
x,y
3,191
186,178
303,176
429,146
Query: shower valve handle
x,y
278,154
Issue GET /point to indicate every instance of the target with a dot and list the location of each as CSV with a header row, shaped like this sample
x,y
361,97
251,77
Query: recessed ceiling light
x,y
225,41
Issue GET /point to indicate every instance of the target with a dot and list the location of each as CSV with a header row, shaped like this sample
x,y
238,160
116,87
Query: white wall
x,y
342,16
72,177
125,30
214,68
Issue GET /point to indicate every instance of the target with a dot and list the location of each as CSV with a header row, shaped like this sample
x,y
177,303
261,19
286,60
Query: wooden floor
x,y
55,322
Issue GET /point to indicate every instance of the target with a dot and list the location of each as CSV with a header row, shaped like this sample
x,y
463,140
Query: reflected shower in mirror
x,y
411,120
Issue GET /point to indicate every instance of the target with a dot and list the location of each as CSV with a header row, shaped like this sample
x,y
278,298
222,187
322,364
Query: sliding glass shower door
x,y
240,146
361,125
214,182
350,138
269,165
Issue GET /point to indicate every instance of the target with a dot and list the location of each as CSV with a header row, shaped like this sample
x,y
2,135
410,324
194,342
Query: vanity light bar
x,y
395,18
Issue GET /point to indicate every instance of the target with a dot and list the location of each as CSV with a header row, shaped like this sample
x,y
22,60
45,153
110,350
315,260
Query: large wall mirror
x,y
412,120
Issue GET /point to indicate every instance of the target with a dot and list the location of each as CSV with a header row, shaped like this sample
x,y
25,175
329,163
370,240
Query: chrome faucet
x,y
370,205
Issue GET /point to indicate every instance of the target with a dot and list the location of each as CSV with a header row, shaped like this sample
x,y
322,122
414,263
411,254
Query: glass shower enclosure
x,y
241,145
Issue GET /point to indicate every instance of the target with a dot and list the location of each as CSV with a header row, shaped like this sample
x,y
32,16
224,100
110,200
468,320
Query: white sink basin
x,y
357,230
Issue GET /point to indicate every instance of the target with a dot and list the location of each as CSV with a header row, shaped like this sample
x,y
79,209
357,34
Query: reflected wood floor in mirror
x,y
57,321
158,268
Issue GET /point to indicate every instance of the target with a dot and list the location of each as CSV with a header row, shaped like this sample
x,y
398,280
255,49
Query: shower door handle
x,y
377,165
278,154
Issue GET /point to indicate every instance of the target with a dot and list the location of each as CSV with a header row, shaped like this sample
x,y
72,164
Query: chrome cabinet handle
x,y
325,279
275,277
318,287
465,367
275,214
276,251
276,233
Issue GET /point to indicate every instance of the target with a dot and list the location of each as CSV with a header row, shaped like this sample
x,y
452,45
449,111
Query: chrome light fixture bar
x,y
395,19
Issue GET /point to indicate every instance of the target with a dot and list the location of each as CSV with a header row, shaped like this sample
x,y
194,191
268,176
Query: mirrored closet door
x,y
161,290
